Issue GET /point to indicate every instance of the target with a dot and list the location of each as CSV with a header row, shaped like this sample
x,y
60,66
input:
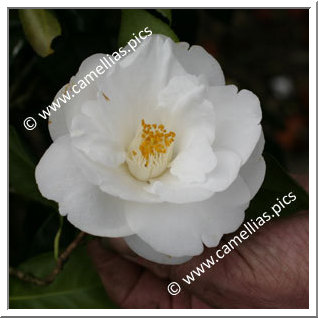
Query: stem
x,y
58,268
57,239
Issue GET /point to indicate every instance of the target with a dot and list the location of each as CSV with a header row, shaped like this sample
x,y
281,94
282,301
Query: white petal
x,y
144,250
198,61
115,181
95,212
191,117
259,148
57,123
168,228
88,66
195,131
94,134
170,188
230,221
178,229
238,117
87,207
195,160
131,86
253,172
56,173
120,183
226,171
61,119
157,54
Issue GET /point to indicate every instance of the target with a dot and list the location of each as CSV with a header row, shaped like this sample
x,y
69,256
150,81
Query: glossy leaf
x,y
166,13
134,21
40,27
76,287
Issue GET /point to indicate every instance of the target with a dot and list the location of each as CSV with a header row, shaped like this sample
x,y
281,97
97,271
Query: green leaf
x,y
166,13
76,287
21,170
40,27
133,21
276,185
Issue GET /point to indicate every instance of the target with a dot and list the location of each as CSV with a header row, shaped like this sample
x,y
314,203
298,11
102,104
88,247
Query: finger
x,y
118,276
168,273
132,286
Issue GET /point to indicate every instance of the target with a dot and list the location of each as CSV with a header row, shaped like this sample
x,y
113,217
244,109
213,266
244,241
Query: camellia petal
x,y
86,88
57,122
143,249
193,126
170,188
157,150
96,137
253,172
225,172
198,61
238,115
176,229
115,181
88,208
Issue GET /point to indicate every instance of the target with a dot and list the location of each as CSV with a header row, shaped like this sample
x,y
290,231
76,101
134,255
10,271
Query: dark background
x,y
265,51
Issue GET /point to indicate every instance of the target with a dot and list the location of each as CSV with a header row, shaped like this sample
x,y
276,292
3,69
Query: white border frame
x,y
312,163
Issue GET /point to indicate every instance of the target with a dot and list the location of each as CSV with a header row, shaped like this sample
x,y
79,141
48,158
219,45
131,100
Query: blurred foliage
x,y
133,21
166,13
77,286
40,27
21,171
265,51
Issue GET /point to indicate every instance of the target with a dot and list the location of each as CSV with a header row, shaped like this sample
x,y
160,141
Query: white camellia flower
x,y
158,150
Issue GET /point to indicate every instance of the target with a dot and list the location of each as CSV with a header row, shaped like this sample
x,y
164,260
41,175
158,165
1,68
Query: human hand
x,y
268,270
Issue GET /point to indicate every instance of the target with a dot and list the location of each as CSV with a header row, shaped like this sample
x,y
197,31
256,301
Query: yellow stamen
x,y
150,152
66,87
105,96
155,140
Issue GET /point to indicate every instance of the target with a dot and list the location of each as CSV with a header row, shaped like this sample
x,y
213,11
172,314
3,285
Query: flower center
x,y
150,151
